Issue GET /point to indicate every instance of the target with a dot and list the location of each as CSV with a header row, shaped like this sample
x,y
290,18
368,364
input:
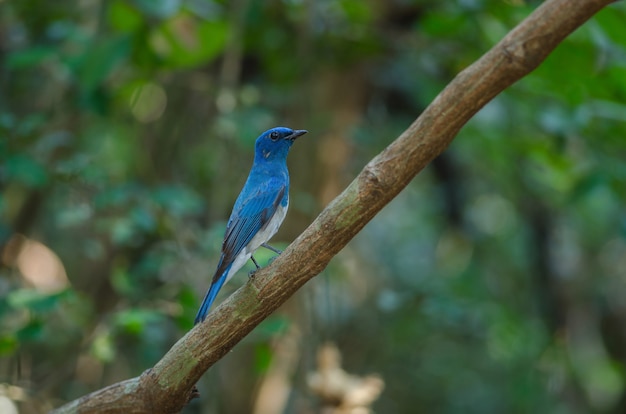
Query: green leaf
x,y
263,356
186,42
8,344
443,24
272,326
25,170
26,58
177,201
103,348
159,8
31,332
143,219
117,196
33,299
124,17
133,321
188,300
98,61
356,11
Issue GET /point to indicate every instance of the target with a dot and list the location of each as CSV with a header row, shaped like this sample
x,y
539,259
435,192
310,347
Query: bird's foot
x,y
274,249
194,393
255,263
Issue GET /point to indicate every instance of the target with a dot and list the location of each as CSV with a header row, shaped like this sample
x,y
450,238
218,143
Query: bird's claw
x,y
194,393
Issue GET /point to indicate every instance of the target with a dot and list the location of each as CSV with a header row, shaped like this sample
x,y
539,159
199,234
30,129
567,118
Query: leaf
x,y
124,17
117,196
31,332
33,299
177,201
143,219
26,58
159,8
103,348
186,42
442,24
8,344
133,321
26,170
263,356
99,60
272,326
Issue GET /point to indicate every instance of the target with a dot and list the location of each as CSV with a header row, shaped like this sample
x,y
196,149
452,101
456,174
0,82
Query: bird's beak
x,y
296,134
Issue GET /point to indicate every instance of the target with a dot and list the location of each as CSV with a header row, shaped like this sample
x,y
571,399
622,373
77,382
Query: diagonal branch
x,y
166,387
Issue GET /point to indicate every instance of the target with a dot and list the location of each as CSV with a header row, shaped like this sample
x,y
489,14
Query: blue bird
x,y
258,212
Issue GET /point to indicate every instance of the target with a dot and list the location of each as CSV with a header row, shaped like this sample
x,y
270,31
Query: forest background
x,y
494,283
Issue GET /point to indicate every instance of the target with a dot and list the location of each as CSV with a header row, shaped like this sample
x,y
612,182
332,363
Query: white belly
x,y
263,236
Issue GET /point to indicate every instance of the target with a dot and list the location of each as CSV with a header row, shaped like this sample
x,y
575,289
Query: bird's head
x,y
275,143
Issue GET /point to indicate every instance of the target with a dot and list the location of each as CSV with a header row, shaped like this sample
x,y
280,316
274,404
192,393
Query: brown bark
x,y
166,387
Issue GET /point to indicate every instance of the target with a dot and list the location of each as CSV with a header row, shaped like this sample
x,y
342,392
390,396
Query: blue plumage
x,y
259,210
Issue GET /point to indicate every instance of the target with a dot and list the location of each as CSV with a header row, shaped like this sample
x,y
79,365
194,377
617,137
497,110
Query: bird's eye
x,y
274,135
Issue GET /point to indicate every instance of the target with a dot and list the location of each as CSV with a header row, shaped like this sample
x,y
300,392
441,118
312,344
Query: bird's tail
x,y
216,285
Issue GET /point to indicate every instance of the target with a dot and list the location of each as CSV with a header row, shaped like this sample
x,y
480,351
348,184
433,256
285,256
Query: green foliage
x,y
494,283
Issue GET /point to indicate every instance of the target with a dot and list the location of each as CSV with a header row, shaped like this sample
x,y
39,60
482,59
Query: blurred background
x,y
495,283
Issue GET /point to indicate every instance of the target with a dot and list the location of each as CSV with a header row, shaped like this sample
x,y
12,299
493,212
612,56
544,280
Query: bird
x,y
258,212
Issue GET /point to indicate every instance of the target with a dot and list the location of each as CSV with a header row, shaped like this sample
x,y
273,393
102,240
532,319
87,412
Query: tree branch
x,y
166,387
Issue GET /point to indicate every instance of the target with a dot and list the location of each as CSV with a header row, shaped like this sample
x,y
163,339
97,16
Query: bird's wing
x,y
246,221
